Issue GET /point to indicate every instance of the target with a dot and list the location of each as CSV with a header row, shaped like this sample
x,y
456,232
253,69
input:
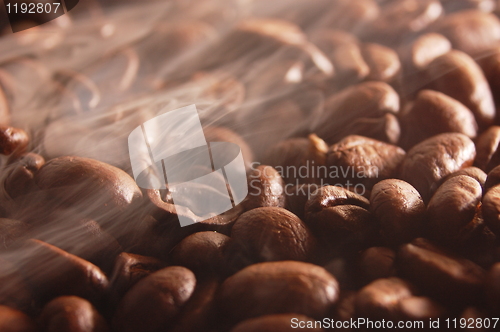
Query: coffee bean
x,y
383,62
459,5
204,253
473,172
452,207
276,323
19,178
421,308
491,207
492,179
441,275
469,87
376,263
380,299
385,128
470,31
259,290
434,113
297,197
349,63
222,134
436,157
424,49
352,16
153,303
12,320
71,314
366,161
266,188
399,209
273,234
488,156
489,61
13,140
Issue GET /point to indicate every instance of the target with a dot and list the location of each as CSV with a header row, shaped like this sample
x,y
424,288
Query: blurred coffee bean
x,y
433,159
67,275
340,218
376,263
128,270
204,253
399,20
350,65
71,314
277,323
222,134
10,231
470,31
295,156
489,61
366,100
452,207
424,49
440,275
380,299
266,188
488,154
273,234
96,189
19,176
399,209
459,5
383,62
13,140
469,87
417,308
492,179
363,160
14,291
351,16
328,40
434,113
260,290
153,303
12,320
492,287
491,206
473,172
385,128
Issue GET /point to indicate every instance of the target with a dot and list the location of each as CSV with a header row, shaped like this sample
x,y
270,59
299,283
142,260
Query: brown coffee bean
x,y
352,16
433,159
441,275
424,50
420,308
376,263
266,188
297,197
399,209
273,234
339,217
492,179
204,253
380,299
128,270
459,5
295,156
489,61
364,160
67,275
21,173
277,323
452,208
488,154
469,87
385,128
13,140
367,100
153,303
349,63
492,287
71,314
434,113
12,320
473,172
383,62
491,206
260,290
470,31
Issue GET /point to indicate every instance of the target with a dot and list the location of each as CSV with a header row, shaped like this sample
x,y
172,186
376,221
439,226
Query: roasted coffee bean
x,y
383,62
339,217
349,63
153,303
273,234
491,207
441,275
19,176
96,189
470,31
376,263
433,159
12,320
434,113
204,253
473,172
452,208
417,308
368,100
459,5
277,323
492,179
10,231
364,160
469,87
71,314
13,140
492,287
128,270
424,49
266,188
352,16
14,291
385,128
296,156
488,154
259,290
399,209
489,61
67,275
380,299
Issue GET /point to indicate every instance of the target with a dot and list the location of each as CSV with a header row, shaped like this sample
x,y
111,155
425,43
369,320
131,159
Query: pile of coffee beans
x,y
373,168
